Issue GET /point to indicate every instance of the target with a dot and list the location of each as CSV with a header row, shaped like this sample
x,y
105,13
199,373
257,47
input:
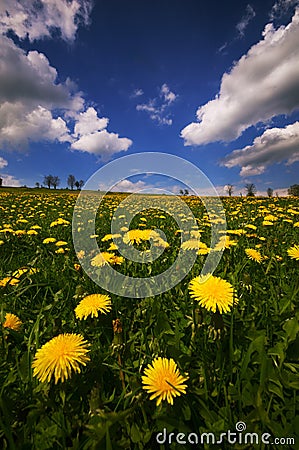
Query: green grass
x,y
242,366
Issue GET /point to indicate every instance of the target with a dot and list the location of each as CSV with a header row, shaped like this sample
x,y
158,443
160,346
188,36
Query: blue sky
x,y
216,83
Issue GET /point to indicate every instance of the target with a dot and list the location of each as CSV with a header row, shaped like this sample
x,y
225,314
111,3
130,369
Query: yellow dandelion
x,y
49,240
20,232
163,380
296,224
92,304
1,242
212,293
253,254
12,321
293,252
106,258
60,250
59,357
191,244
61,243
9,281
19,272
112,247
32,232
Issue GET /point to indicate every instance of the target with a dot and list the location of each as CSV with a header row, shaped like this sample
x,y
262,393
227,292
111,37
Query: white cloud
x,y
38,19
129,186
102,143
89,122
281,7
10,180
273,146
243,24
3,162
90,135
137,93
157,108
262,84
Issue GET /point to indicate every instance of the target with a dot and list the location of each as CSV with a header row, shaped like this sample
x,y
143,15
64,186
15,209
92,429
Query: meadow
x,y
234,363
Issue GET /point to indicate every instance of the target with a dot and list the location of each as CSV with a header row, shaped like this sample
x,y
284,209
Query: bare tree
x,y
270,192
48,180
55,182
251,190
181,192
229,188
71,180
186,192
81,184
294,190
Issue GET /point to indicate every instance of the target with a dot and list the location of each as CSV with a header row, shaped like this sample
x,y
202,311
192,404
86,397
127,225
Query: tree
x,y
294,190
71,180
1,180
77,184
186,192
81,184
229,188
48,180
181,192
270,192
251,190
37,185
55,182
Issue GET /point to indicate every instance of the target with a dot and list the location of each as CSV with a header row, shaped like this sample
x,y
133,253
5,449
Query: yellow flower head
x,y
92,304
213,293
32,232
12,321
254,254
163,380
49,240
60,356
9,281
106,258
293,252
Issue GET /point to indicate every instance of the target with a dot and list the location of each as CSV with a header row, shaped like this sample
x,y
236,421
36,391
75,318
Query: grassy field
x,y
239,365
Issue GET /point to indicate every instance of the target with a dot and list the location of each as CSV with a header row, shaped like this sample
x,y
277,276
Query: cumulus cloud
x,y
10,180
38,19
158,107
29,92
273,146
129,186
243,24
34,106
262,84
89,122
92,137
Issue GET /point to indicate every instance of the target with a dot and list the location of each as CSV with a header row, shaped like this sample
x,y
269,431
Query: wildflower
x,y
60,250
296,224
20,232
60,243
12,321
293,252
9,281
49,240
19,272
1,242
32,232
191,244
107,237
213,293
92,304
77,267
253,254
163,380
106,258
59,357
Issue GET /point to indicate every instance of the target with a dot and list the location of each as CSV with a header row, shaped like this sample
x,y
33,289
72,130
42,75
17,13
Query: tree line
x,y
50,180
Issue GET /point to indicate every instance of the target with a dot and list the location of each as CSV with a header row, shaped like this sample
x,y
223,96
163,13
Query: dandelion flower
x,y
60,356
92,304
49,240
163,380
213,293
254,254
293,252
9,280
104,258
60,243
12,321
191,244
32,232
